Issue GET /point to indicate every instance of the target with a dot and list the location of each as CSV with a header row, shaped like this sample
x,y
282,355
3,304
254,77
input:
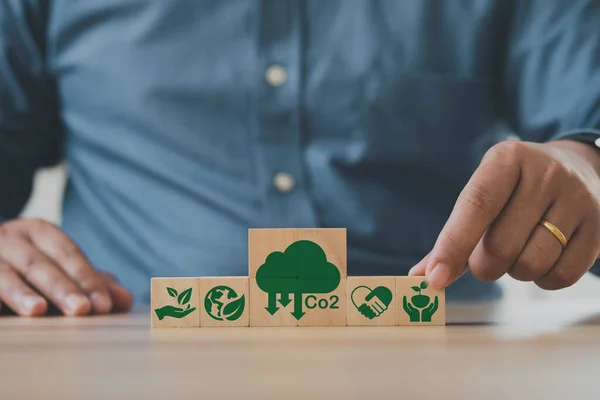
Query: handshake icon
x,y
371,303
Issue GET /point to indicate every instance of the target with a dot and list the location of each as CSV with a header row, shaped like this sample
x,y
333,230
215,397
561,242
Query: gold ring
x,y
556,232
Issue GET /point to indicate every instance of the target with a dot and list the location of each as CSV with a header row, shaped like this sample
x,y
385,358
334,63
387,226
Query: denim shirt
x,y
184,123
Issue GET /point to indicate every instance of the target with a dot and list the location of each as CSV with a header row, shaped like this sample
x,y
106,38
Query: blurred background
x,y
46,203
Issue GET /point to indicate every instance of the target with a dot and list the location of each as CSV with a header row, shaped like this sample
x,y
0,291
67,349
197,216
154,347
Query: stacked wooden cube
x,y
297,277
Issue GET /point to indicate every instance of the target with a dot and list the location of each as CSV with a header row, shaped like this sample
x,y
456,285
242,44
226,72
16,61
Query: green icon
x,y
371,303
301,269
420,301
223,303
183,298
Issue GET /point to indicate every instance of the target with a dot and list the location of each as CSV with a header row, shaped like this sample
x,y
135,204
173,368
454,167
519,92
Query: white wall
x,y
49,184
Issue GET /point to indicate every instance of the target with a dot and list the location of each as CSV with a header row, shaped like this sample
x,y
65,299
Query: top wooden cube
x,y
296,253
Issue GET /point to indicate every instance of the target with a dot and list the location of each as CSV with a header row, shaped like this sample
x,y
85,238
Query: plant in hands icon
x,y
420,301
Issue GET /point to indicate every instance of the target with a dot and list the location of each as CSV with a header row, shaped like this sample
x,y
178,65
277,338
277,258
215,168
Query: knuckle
x,y
478,197
533,263
482,272
108,276
559,278
507,152
453,243
564,279
37,222
33,267
499,248
88,281
67,252
498,257
524,272
39,225
554,171
29,258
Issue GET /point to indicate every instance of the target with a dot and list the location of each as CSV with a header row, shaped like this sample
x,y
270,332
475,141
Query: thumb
x,y
421,268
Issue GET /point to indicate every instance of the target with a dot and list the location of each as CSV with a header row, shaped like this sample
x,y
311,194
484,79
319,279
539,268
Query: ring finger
x,y
573,263
543,248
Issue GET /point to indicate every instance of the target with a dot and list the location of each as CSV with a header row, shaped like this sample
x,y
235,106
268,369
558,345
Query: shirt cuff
x,y
589,136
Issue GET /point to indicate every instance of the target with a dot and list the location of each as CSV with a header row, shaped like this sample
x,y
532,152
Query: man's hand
x,y
494,227
40,264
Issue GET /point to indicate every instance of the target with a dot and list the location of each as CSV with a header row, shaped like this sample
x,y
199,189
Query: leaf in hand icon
x,y
371,303
183,298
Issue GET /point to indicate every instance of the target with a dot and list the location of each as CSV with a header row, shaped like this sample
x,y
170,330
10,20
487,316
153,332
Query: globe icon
x,y
223,303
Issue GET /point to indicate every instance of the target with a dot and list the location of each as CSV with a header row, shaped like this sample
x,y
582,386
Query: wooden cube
x,y
324,309
175,302
296,253
224,301
371,300
419,304
271,309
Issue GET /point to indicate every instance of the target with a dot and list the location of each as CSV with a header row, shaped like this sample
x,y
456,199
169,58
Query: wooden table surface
x,y
527,350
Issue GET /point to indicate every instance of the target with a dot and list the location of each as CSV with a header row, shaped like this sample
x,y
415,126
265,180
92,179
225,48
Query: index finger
x,y
478,205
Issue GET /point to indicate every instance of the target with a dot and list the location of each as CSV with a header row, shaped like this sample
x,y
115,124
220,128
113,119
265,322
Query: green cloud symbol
x,y
301,268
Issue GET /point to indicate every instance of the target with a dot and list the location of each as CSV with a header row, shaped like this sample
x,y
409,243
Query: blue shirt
x,y
176,117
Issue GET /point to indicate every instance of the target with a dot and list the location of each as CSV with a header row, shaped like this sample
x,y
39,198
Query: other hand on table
x,y
39,265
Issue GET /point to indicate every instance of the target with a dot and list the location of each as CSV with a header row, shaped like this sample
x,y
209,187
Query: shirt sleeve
x,y
30,132
552,70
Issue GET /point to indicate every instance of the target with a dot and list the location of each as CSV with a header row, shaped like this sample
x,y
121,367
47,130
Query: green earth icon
x,y
223,303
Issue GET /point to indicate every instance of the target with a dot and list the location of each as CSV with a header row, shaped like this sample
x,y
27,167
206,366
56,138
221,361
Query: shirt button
x,y
283,182
276,75
597,142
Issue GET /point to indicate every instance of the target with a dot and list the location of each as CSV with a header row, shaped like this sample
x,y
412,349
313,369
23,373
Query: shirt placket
x,y
285,198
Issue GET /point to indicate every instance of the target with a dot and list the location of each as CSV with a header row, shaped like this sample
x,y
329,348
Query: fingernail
x,y
439,276
101,302
29,302
33,305
76,303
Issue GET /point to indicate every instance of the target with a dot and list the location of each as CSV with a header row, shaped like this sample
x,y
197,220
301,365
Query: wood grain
x,y
506,350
